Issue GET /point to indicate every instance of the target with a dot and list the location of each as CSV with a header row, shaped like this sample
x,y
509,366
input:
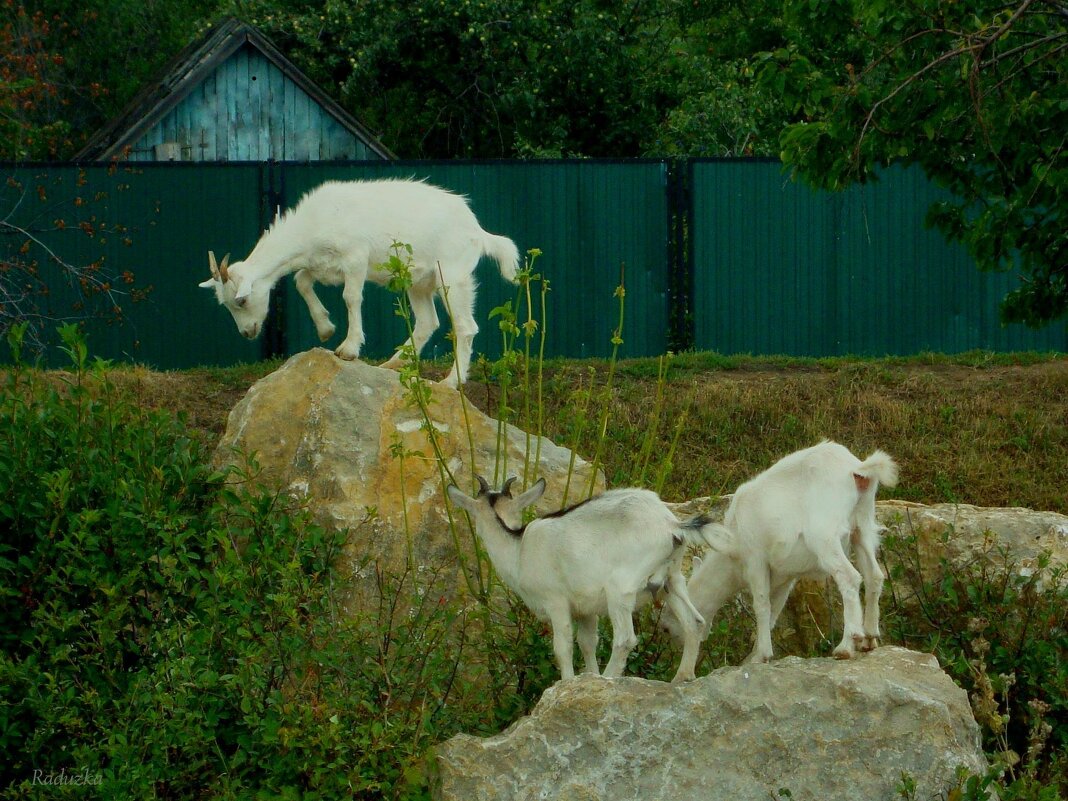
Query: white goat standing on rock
x,y
342,233
597,557
796,520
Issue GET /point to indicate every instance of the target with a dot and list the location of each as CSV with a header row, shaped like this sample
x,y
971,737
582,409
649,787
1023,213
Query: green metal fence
x,y
771,267
778,268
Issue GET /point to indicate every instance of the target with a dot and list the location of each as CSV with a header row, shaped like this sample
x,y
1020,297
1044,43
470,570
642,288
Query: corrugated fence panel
x,y
589,219
763,261
155,224
779,268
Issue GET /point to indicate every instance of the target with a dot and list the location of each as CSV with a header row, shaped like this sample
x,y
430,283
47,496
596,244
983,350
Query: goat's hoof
x,y
348,354
392,364
326,333
843,653
868,644
450,381
683,677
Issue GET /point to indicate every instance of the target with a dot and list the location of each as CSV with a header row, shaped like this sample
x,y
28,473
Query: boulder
x,y
817,728
963,533
347,437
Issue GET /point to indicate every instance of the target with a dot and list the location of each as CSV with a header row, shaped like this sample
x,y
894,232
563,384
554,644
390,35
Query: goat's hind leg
x,y
864,549
848,580
759,579
355,275
459,298
425,323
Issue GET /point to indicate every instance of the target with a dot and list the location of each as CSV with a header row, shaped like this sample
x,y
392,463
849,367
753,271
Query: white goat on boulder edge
x,y
342,233
796,520
596,557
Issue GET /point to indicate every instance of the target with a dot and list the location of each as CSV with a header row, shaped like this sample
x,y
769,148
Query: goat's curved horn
x,y
222,268
483,487
507,488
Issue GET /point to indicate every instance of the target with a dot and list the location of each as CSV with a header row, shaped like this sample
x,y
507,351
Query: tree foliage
x,y
67,67
33,122
490,78
975,92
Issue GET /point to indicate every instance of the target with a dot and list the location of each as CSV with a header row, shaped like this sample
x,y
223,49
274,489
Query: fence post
x,y
680,264
272,201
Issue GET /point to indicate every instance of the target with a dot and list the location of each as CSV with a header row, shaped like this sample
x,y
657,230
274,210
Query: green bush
x,y
174,632
1001,632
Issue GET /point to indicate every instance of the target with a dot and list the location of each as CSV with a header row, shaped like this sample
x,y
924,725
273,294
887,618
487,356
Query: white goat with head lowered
x,y
796,520
342,233
597,557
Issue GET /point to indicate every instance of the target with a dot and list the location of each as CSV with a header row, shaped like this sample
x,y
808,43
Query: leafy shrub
x,y
1001,632
174,632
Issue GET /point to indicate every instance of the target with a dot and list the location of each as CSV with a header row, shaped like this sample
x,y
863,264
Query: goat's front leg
x,y
760,588
690,621
780,593
563,641
320,316
587,640
621,611
349,349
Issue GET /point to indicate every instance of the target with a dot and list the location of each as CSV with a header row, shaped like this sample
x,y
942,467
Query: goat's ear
x,y
531,495
459,499
243,292
209,284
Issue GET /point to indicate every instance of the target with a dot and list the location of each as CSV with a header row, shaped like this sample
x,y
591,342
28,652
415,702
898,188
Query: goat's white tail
x,y
880,466
701,531
502,250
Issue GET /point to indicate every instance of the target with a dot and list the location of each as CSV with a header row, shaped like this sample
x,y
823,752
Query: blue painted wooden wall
x,y
249,110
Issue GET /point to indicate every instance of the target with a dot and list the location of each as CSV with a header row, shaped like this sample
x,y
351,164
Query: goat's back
x,y
345,216
628,530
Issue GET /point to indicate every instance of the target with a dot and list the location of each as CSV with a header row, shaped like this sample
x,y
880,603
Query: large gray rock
x,y
820,728
332,431
962,533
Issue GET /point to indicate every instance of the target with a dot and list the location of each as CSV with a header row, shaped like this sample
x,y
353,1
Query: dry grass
x,y
976,429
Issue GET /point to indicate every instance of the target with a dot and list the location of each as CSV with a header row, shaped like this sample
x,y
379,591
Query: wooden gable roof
x,y
166,99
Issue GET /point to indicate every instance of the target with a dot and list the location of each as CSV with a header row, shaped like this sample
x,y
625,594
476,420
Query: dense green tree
x,y
975,92
722,109
490,78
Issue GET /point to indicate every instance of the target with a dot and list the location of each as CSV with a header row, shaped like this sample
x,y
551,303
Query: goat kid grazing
x,y
601,556
342,233
796,520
